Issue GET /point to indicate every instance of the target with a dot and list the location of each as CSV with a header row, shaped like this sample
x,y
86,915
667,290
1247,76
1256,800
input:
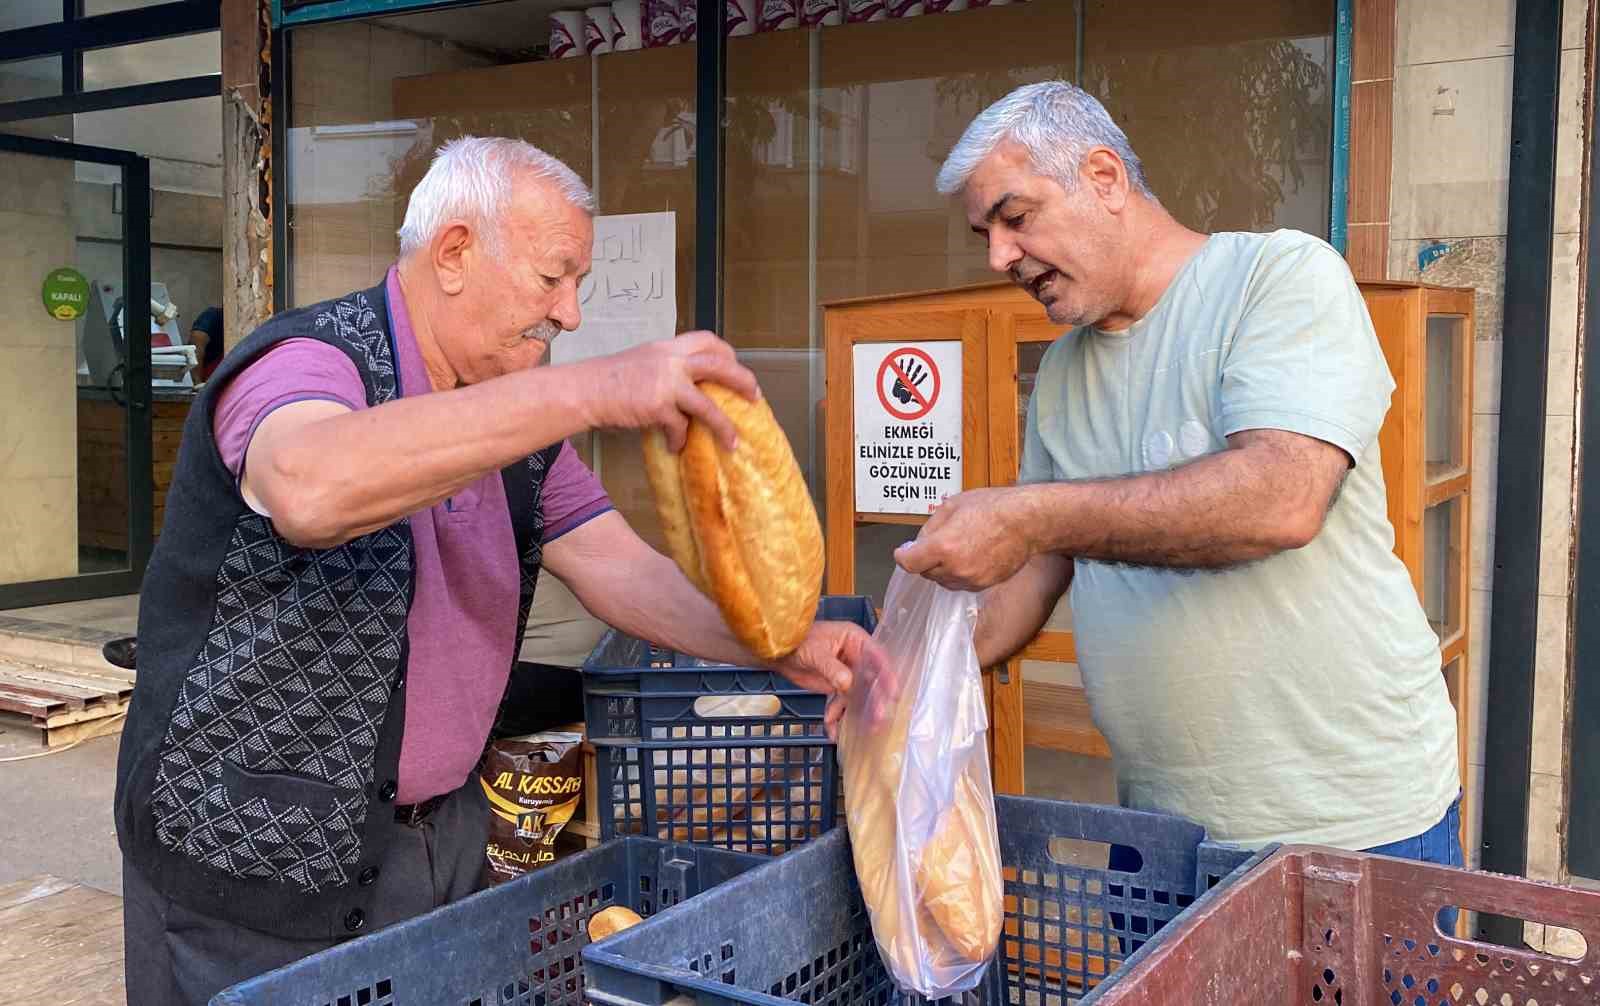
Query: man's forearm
x,y
642,592
354,472
1014,611
1225,509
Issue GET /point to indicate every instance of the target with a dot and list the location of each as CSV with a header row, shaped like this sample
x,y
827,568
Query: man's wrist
x,y
1027,510
573,390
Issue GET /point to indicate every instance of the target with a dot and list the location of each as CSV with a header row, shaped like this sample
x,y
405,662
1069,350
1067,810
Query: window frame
x,y
72,36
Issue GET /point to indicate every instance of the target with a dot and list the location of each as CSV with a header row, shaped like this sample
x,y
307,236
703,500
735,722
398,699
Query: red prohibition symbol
x,y
908,383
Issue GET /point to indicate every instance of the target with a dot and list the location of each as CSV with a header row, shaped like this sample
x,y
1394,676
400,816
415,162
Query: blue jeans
x,y
1440,844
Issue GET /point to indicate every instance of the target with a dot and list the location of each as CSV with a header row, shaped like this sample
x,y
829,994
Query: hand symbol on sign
x,y
915,372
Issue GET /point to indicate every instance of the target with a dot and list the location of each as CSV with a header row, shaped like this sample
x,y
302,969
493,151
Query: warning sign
x,y
908,425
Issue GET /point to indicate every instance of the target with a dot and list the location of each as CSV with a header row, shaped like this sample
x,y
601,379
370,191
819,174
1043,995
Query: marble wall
x,y
1451,166
38,376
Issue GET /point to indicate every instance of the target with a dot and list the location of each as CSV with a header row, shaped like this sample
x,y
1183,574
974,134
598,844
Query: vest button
x,y
368,876
386,791
355,920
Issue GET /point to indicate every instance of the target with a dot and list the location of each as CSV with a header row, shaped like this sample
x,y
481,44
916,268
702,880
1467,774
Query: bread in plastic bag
x,y
919,804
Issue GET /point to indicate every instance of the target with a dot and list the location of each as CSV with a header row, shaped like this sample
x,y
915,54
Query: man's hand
x,y
654,385
837,658
973,541
829,657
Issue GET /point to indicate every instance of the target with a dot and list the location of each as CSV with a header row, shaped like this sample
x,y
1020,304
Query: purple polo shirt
x,y
463,620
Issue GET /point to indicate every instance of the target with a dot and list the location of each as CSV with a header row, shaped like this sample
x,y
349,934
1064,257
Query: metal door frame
x,y
1583,730
135,276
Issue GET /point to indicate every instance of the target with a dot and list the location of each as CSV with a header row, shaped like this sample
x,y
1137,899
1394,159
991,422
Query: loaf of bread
x,y
741,524
959,889
611,920
919,803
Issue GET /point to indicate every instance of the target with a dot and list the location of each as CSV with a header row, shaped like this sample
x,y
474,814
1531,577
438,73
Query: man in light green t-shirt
x,y
1201,469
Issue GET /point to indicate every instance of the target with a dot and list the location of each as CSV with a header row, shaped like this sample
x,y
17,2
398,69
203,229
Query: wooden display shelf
x,y
1053,716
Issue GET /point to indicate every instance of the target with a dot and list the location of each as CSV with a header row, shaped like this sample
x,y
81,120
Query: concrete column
x,y
38,375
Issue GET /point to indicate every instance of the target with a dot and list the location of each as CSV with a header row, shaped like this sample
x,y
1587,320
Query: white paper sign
x,y
908,425
631,294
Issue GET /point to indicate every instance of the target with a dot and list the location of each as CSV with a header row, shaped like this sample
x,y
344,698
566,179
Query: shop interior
x,y
70,403
832,138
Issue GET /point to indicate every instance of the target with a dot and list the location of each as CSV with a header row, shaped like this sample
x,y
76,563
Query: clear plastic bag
x,y
918,800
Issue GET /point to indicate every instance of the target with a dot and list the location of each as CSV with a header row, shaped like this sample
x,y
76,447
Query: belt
x,y
414,814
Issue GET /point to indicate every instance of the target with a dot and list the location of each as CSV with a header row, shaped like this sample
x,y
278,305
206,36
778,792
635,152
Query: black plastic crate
x,y
795,929
693,751
516,943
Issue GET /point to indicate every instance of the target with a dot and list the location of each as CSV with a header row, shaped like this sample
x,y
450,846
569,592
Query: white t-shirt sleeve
x,y
1304,357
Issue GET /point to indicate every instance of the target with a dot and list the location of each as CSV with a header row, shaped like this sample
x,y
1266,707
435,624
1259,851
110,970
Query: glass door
x,y
75,371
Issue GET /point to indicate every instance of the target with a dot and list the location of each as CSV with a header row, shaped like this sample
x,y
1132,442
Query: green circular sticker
x,y
66,294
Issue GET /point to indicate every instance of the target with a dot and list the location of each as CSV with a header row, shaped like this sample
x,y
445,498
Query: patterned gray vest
x,y
260,754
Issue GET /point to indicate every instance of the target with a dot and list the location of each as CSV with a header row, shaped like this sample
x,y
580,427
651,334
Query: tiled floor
x,y
78,621
60,942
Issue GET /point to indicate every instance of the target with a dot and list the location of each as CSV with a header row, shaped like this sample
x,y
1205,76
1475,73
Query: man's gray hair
x,y
1056,123
470,179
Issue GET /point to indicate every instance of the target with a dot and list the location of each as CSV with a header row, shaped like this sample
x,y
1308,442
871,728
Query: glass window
x,y
93,7
23,79
1444,423
645,164
370,101
1063,755
1230,113
833,137
1443,572
149,62
183,140
833,140
28,13
66,498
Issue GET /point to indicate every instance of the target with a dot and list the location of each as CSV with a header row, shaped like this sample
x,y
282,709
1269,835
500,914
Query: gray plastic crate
x,y
672,766
516,943
795,929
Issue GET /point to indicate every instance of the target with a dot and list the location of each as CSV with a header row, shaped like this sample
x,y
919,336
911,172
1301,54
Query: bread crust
x,y
958,889
741,524
609,921
666,485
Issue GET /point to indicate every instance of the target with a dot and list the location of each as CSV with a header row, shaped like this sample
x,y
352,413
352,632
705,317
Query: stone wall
x,y
1452,115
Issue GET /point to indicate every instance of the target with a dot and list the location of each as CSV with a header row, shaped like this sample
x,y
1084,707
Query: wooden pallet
x,y
67,704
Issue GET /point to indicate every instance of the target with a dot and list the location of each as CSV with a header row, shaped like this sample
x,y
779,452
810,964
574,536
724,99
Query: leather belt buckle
x,y
413,814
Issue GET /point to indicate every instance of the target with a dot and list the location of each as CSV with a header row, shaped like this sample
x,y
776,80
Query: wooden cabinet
x,y
1427,337
103,466
1037,700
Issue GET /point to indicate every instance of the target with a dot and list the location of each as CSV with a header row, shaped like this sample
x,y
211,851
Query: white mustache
x,y
546,331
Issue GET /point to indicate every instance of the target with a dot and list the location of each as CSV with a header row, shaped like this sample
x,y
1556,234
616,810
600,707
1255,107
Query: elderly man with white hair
x,y
367,491
1201,469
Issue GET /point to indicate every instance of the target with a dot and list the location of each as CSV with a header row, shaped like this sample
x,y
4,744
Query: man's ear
x,y
1107,177
452,254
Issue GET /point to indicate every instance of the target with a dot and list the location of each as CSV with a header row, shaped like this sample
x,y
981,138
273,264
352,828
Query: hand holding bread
x,y
660,386
740,522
